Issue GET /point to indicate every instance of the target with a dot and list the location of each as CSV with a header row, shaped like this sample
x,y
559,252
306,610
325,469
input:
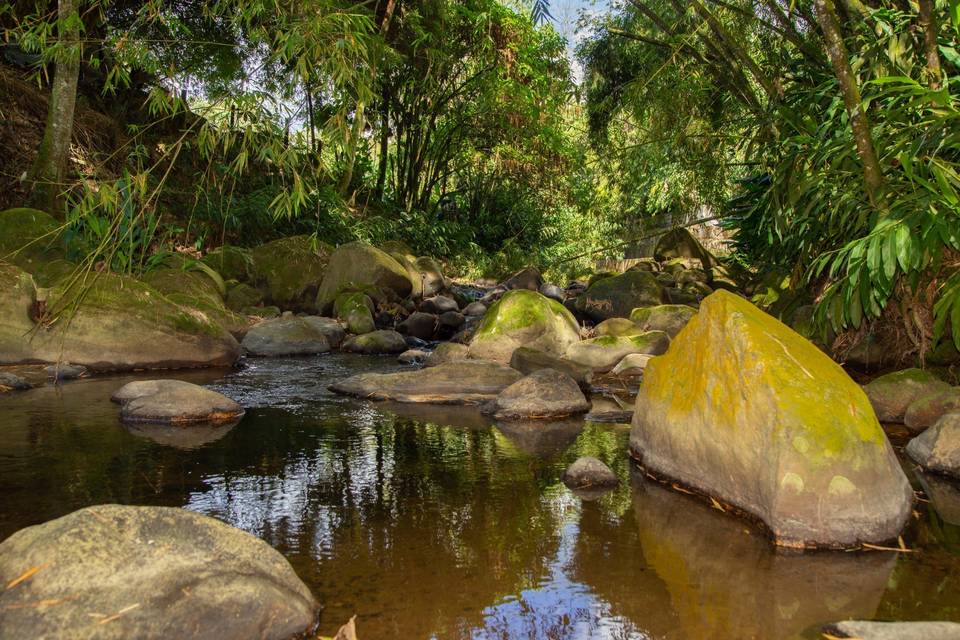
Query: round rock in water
x,y
413,356
383,341
117,572
544,394
174,402
11,382
589,473
65,371
892,394
287,336
938,448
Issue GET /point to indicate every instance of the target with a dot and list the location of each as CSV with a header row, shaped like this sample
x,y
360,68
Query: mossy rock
x,y
242,295
523,318
48,272
670,318
356,311
600,275
192,284
289,271
744,409
120,324
616,297
928,408
680,243
29,237
358,263
891,394
379,342
618,327
602,354
233,263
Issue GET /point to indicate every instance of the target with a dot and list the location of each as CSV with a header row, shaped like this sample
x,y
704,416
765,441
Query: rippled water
x,y
432,522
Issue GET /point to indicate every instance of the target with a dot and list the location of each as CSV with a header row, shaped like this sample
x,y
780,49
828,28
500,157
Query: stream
x,y
434,522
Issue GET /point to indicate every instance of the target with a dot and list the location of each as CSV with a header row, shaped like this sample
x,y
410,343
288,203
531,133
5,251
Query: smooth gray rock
x,y
552,291
868,630
439,304
927,409
938,448
383,341
12,382
115,572
475,309
419,325
462,382
174,402
544,394
526,278
447,352
527,360
292,335
589,473
64,371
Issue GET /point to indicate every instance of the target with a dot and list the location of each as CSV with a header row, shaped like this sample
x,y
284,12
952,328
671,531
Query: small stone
x,y
527,278
452,319
632,365
439,304
447,352
892,394
65,371
589,473
413,356
475,309
552,291
290,335
11,382
383,341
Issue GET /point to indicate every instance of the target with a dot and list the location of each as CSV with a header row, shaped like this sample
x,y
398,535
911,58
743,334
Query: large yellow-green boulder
x,y
524,318
289,271
617,296
360,265
110,323
744,409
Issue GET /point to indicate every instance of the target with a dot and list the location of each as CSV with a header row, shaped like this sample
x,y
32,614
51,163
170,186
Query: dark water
x,y
433,523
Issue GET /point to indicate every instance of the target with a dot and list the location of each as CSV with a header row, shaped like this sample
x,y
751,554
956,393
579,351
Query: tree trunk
x,y
928,22
837,52
47,177
355,134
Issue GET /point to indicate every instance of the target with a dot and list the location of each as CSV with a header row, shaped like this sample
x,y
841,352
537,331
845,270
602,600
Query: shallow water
x,y
431,522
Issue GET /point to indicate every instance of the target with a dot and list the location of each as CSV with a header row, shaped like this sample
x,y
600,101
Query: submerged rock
x,y
938,448
617,296
527,360
669,318
120,324
771,425
893,393
292,335
926,410
870,630
589,473
523,318
464,382
604,353
289,271
118,572
12,382
544,394
413,356
383,341
174,402
361,265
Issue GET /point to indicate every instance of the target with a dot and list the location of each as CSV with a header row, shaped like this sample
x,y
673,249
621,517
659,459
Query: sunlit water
x,y
431,522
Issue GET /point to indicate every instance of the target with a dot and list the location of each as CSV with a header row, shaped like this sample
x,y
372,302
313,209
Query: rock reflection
x,y
542,438
186,438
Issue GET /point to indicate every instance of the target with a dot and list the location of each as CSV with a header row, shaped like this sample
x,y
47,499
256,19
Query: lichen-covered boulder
x,y
358,264
544,394
29,238
233,263
119,324
602,354
744,409
174,402
289,271
447,352
938,448
523,318
462,382
892,393
527,360
383,341
928,408
290,336
618,327
240,296
115,572
617,296
670,318
680,243
356,311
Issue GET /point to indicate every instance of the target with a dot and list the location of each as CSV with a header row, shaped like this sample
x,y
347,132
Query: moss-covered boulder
x,y
447,352
616,297
289,271
358,264
201,290
669,318
893,393
356,311
523,318
242,295
381,342
618,327
110,323
233,263
680,243
928,408
602,354
28,238
744,409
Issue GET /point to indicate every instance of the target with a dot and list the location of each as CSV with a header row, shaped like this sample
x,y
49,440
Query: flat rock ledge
x,y
868,630
461,382
174,402
115,572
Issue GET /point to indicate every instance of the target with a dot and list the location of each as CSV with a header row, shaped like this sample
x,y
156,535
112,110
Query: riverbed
x,y
435,522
